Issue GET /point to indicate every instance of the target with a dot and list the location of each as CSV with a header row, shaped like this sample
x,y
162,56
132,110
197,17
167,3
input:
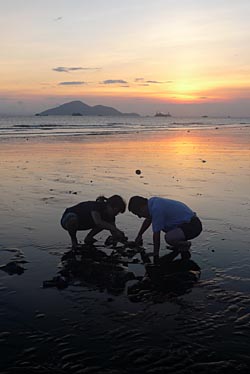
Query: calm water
x,y
68,125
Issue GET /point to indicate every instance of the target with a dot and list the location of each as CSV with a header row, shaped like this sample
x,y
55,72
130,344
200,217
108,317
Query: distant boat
x,y
160,114
204,116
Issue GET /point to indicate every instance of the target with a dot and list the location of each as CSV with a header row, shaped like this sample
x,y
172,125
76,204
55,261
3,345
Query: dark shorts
x,y
192,229
66,219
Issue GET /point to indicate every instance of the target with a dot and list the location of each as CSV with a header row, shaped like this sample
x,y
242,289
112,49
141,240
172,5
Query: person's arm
x,y
157,243
104,225
92,233
145,225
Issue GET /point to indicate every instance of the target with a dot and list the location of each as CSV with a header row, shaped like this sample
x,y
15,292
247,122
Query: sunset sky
x,y
189,57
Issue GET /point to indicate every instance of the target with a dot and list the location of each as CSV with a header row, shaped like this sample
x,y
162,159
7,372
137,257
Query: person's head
x,y
116,202
138,205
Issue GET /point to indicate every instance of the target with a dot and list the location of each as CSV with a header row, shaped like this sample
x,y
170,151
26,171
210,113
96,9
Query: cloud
x,y
114,81
154,82
63,69
141,80
76,83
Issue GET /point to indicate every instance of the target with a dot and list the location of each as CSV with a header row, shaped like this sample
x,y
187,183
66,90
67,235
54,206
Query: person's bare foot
x,y
185,255
89,240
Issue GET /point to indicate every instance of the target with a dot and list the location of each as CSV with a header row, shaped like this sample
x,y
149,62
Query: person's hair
x,y
136,202
115,201
101,199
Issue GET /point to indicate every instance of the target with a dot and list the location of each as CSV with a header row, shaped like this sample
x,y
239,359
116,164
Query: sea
x,y
56,126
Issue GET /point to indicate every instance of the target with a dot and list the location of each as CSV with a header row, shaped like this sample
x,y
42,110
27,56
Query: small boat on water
x,y
160,114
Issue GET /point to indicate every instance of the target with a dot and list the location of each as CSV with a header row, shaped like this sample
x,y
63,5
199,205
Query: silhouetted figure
x,y
94,216
176,219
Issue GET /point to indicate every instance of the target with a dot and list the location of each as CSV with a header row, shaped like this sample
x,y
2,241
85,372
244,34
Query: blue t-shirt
x,y
167,214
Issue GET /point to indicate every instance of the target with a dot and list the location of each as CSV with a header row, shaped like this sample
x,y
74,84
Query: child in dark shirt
x,y
94,216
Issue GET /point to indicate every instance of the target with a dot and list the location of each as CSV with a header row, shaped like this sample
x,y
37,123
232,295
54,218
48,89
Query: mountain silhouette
x,y
78,108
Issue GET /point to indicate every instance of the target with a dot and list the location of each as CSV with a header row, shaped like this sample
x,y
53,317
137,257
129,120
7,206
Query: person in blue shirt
x,y
179,223
94,216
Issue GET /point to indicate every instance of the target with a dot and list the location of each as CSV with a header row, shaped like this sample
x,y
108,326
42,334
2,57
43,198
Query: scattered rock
x,y
58,281
40,315
12,267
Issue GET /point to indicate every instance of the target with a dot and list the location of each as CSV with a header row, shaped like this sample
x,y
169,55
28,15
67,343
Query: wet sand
x,y
90,326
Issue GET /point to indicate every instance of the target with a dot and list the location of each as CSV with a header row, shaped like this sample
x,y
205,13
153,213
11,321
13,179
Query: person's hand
x,y
138,240
120,236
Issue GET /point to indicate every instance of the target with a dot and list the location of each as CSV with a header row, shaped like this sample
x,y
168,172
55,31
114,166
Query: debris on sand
x,y
58,281
12,267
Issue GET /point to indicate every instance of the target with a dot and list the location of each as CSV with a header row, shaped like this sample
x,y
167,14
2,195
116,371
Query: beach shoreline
x,y
89,328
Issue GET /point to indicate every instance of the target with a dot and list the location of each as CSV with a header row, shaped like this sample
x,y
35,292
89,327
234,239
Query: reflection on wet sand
x,y
169,279
91,267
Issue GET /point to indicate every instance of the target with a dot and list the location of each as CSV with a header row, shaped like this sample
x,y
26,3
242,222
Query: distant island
x,y
160,114
78,108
